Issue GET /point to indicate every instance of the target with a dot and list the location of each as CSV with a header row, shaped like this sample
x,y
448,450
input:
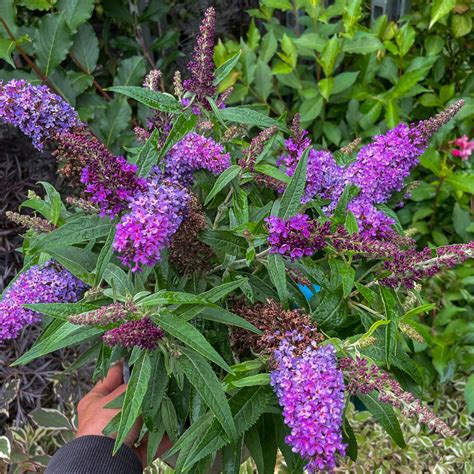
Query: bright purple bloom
x,y
195,152
310,389
49,283
295,237
373,222
141,333
201,67
38,112
111,183
155,215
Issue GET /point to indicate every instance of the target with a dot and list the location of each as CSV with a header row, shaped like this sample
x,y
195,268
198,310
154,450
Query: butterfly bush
x,y
48,283
288,276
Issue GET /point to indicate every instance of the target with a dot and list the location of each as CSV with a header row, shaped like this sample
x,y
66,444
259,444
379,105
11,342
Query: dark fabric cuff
x,y
93,455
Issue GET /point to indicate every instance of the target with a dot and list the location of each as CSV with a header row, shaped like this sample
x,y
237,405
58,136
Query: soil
x,y
21,169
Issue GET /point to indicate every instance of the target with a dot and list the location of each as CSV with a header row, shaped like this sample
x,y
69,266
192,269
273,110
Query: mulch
x,y
21,168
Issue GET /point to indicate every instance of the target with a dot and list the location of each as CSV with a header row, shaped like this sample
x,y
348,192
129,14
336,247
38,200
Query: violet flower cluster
x,y
295,237
310,389
201,67
195,152
143,333
379,170
154,216
110,181
37,112
49,283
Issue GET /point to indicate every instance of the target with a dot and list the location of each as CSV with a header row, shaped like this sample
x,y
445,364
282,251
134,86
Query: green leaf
x,y
148,155
439,9
246,406
61,310
222,181
277,273
155,391
329,55
384,415
152,99
190,336
310,41
279,4
204,380
326,86
7,47
225,241
130,72
226,68
36,4
82,229
251,381
59,334
469,394
5,449
164,297
169,418
362,43
263,80
76,12
136,390
249,117
349,439
270,170
104,257
118,279
115,120
461,24
80,262
254,445
86,47
462,182
291,199
389,301
343,81
182,125
53,40
311,108
290,56
50,419
220,315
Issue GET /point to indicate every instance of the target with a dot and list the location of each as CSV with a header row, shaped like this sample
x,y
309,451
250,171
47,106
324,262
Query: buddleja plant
x,y
253,285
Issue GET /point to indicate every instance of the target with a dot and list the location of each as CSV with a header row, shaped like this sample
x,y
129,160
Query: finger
x,y
134,432
111,382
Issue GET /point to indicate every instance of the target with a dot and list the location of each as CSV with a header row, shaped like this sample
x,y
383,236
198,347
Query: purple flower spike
x,y
49,283
141,333
155,215
37,112
310,389
195,152
201,67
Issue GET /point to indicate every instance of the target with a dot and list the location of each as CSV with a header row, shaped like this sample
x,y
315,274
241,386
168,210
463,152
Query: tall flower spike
x,y
37,112
152,80
195,152
154,216
201,67
256,147
310,389
110,181
103,316
49,283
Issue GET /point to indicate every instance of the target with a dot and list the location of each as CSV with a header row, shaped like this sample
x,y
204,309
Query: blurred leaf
x,y
130,72
50,419
461,25
36,4
462,182
148,155
225,69
469,394
115,120
277,273
5,449
222,181
279,4
263,80
86,47
439,9
362,43
329,55
53,40
76,12
152,99
249,117
225,241
7,47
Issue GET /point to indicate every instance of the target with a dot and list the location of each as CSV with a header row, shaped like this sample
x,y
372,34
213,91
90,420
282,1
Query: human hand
x,y
93,417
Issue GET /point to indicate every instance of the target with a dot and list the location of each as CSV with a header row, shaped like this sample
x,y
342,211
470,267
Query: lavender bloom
x,y
38,112
141,333
49,283
201,67
155,215
373,222
295,237
310,389
195,152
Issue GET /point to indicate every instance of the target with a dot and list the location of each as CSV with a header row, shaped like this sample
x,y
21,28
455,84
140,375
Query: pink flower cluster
x,y
464,149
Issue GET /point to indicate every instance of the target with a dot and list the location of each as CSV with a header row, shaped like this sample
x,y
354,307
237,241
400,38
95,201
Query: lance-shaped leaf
x,y
152,99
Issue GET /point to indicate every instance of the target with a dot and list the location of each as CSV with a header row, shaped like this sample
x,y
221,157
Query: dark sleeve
x,y
93,455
